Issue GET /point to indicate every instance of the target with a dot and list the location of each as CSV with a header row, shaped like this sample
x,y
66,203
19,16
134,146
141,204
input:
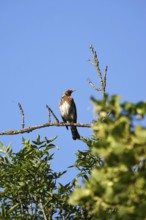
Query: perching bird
x,y
68,112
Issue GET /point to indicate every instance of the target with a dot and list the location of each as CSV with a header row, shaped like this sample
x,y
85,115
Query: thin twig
x,y
91,62
43,210
93,85
30,205
50,110
104,79
21,205
22,114
32,128
95,63
49,113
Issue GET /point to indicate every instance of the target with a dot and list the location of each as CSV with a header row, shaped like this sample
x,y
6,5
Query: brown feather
x,y
68,112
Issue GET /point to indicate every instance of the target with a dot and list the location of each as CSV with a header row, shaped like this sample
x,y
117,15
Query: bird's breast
x,y
64,109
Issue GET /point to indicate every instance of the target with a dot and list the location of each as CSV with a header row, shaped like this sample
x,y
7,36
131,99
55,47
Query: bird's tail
x,y
75,133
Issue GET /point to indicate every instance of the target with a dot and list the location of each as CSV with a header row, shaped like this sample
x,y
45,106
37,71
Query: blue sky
x,y
44,47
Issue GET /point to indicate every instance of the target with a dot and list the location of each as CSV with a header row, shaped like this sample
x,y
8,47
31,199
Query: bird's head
x,y
68,92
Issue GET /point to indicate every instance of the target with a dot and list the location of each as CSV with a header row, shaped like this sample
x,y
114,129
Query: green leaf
x,y
50,140
140,133
13,208
38,142
141,108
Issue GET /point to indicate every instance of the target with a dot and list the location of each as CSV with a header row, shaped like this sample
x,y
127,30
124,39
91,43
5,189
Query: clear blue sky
x,y
44,47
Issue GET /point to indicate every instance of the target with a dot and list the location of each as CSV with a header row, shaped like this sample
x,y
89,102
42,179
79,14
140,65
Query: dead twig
x,y
93,85
50,111
22,114
102,80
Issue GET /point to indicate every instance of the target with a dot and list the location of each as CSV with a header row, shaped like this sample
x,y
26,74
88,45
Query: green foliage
x,y
29,188
116,188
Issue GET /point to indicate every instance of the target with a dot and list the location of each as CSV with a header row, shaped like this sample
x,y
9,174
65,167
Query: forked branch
x,y
102,79
51,112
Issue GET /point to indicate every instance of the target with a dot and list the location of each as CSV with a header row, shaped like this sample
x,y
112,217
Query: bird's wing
x,y
74,110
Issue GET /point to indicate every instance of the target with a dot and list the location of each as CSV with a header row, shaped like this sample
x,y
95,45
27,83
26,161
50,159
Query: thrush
x,y
68,112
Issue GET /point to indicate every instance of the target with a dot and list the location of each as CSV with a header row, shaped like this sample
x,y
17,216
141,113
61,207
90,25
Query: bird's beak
x,y
73,90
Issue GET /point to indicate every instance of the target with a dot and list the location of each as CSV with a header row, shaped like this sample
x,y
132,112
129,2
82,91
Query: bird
x,y
68,111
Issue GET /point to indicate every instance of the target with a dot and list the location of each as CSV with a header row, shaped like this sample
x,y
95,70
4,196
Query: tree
x,y
29,188
116,187
112,170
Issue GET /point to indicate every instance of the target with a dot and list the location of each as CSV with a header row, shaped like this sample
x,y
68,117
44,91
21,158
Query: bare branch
x,y
91,62
96,64
49,113
22,114
50,110
104,79
32,128
93,85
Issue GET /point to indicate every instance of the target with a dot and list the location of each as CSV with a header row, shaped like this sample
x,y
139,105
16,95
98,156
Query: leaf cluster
x,y
117,188
29,187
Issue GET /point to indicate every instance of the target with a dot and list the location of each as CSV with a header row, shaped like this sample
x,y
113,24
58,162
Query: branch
x,y
32,128
43,210
22,114
93,85
49,113
96,63
91,62
102,80
50,110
